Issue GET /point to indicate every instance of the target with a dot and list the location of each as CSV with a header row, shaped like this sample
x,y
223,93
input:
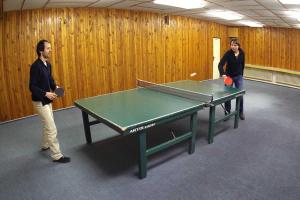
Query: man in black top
x,y
42,85
235,64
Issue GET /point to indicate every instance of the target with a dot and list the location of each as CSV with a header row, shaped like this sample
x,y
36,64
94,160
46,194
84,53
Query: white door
x,y
216,57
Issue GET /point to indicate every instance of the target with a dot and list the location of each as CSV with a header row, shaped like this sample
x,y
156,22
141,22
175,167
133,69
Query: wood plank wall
x,y
96,51
271,47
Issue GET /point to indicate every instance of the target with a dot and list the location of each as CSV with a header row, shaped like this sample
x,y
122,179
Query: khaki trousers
x,y
49,138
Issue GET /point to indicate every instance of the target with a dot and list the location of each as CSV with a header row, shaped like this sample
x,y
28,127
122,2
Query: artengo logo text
x,y
141,128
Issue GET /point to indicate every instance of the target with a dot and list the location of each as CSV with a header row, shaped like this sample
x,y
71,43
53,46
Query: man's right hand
x,y
50,95
224,76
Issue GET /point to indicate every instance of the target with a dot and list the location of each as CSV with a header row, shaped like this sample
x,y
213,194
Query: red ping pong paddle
x,y
59,92
228,81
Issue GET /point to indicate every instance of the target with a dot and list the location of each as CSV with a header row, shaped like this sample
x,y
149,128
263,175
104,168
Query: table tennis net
x,y
175,91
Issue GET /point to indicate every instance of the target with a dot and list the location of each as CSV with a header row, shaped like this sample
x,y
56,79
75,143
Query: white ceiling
x,y
267,12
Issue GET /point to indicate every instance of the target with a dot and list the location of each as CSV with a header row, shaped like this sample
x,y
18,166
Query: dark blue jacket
x,y
41,81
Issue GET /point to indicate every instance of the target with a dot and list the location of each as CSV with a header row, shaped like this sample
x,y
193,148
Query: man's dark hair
x,y
235,41
40,47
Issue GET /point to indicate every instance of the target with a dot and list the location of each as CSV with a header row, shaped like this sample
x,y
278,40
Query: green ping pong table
x,y
135,111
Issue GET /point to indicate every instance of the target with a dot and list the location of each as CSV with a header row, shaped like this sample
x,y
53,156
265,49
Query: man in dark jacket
x,y
235,64
42,85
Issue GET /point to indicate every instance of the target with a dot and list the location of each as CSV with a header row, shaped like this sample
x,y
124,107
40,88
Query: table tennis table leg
x,y
237,112
212,123
193,124
87,130
142,155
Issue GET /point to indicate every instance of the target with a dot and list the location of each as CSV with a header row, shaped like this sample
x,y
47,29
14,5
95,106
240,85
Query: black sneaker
x,y
45,148
226,113
242,116
63,160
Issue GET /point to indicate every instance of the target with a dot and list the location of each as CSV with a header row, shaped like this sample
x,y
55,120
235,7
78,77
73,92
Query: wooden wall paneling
x,y
289,51
168,50
114,48
159,49
225,45
177,56
207,60
137,45
65,56
180,56
21,87
80,51
273,40
1,9
52,29
252,49
11,64
281,48
193,42
201,48
70,69
104,53
286,52
243,38
173,60
149,50
146,67
141,42
172,49
5,113
260,41
188,36
296,49
92,52
212,32
292,48
156,65
296,45
184,51
259,46
27,56
267,45
96,51
128,56
245,44
198,48
269,61
273,47
30,32
24,57
99,51
118,50
289,36
186,28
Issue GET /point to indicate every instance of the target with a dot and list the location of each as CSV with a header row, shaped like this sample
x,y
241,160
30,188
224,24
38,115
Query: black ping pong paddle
x,y
59,92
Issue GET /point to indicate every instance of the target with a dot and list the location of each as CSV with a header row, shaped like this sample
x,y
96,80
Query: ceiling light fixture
x,y
186,4
294,2
293,14
228,15
251,23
